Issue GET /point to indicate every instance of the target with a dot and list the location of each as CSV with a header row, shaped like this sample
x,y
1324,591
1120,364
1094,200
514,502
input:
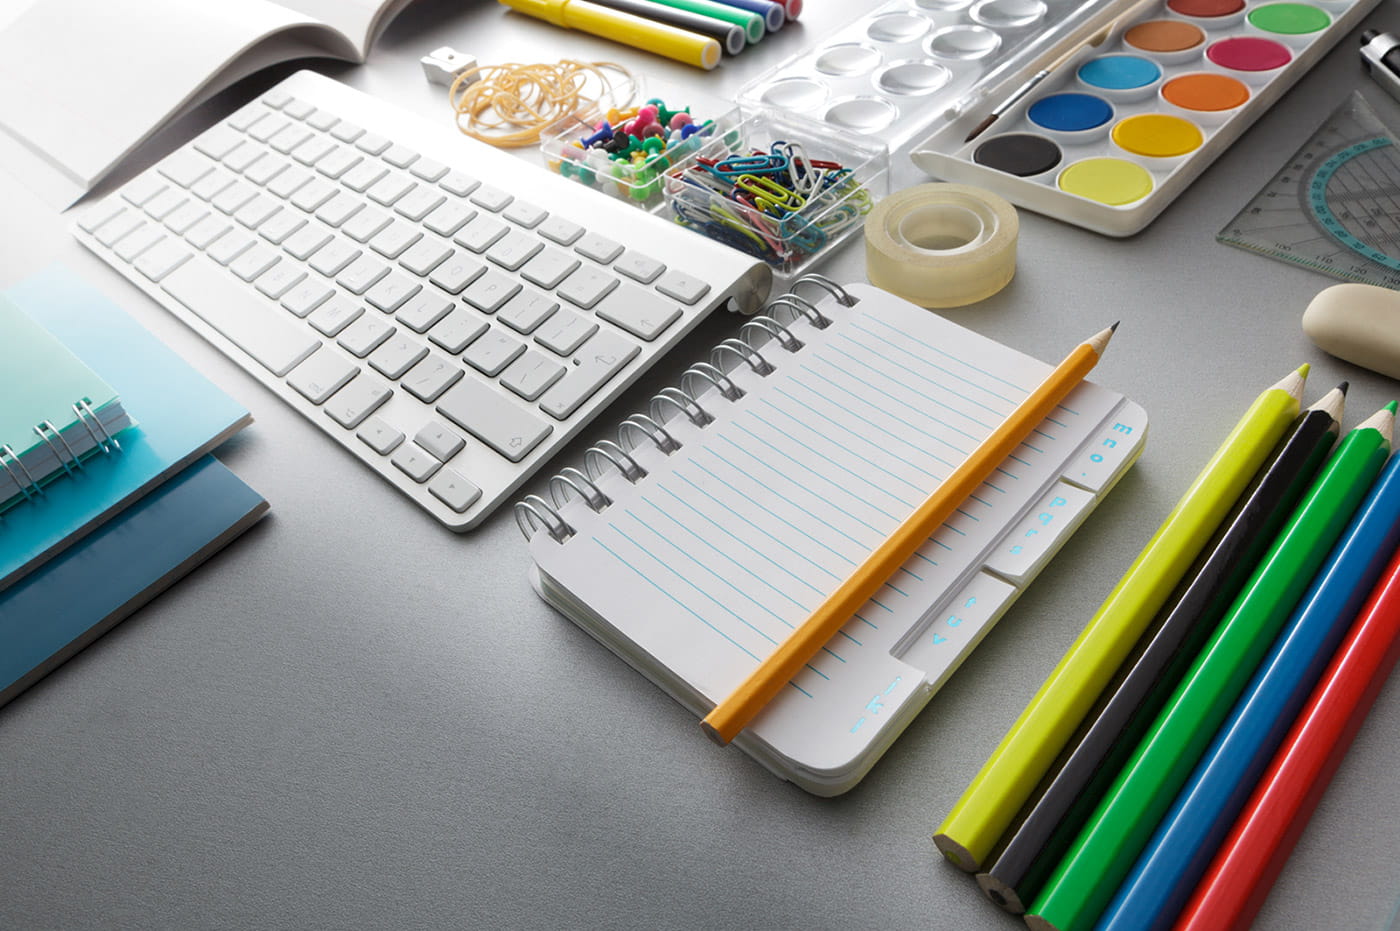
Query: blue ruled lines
x,y
934,349
922,373
874,465
825,478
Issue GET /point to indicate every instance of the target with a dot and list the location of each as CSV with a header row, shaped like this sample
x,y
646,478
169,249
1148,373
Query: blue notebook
x,y
181,413
75,597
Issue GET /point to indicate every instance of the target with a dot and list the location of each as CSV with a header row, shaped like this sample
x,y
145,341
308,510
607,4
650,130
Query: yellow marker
x,y
734,713
1006,780
688,47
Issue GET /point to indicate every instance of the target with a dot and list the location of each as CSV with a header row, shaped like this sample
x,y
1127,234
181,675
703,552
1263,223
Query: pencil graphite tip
x,y
1114,328
1344,387
1304,369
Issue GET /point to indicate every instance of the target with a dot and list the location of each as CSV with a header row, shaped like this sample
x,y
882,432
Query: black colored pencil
x,y
1032,846
731,37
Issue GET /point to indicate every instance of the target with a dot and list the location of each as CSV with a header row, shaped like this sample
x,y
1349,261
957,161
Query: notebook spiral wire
x,y
533,513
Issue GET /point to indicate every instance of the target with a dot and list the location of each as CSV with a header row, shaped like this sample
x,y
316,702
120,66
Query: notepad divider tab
x,y
646,434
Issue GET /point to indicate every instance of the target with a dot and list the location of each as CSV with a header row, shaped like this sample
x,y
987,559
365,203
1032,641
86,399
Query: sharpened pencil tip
x,y
1344,387
1304,369
1390,407
1114,328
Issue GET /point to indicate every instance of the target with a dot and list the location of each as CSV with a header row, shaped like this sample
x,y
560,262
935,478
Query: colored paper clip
x,y
750,165
769,194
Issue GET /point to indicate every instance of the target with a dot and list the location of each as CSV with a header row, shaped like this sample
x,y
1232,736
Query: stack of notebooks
x,y
108,493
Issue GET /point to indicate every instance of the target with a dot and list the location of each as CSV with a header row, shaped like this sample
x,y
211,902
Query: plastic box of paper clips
x,y
785,191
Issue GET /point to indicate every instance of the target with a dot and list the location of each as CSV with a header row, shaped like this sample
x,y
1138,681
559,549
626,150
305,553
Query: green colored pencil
x,y
990,802
1104,852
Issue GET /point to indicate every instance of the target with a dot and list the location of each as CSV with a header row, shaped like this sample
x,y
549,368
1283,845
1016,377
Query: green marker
x,y
751,23
1105,850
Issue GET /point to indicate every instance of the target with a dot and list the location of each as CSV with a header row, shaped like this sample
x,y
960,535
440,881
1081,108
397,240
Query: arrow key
x,y
453,490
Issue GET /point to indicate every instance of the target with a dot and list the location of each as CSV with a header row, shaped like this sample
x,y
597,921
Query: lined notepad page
x,y
700,569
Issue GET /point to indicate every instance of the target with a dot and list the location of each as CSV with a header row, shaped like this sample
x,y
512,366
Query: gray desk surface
x,y
355,718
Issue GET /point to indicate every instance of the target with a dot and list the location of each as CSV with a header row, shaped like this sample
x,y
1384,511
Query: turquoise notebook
x,y
61,607
182,415
54,411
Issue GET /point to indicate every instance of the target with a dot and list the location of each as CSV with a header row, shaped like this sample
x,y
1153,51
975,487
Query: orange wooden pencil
x,y
734,713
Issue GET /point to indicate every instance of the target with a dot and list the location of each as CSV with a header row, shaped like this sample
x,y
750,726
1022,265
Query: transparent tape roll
x,y
941,245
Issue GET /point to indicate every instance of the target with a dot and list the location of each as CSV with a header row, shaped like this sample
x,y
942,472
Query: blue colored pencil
x,y
1165,874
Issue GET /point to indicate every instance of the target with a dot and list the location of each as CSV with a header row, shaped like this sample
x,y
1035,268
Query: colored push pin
x,y
604,134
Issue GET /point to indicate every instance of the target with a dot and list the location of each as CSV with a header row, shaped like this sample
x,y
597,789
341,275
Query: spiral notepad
x,y
725,514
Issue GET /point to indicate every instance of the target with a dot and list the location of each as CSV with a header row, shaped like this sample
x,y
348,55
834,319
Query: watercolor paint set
x,y
1120,128
895,72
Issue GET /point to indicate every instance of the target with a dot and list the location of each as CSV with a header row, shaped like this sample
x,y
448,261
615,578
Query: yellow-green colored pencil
x,y
990,802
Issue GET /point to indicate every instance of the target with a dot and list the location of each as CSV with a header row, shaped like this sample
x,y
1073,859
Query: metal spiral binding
x,y
88,418
47,432
29,488
534,513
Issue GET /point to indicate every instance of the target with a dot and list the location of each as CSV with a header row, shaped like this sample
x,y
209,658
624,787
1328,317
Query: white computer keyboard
x,y
449,313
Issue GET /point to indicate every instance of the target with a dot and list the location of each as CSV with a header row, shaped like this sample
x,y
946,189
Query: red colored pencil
x,y
1249,861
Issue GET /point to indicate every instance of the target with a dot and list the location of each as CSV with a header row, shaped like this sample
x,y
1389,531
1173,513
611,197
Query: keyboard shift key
x,y
322,375
598,361
493,418
453,490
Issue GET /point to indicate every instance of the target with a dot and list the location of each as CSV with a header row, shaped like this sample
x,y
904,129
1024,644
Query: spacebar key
x,y
493,419
243,319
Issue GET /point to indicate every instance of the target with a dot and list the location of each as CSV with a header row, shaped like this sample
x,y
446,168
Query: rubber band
x,y
508,105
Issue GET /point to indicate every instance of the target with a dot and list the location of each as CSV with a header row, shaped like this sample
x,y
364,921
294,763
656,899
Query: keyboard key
x,y
423,311
457,329
379,436
397,355
138,241
400,156
491,418
391,291
247,116
683,288
373,143
364,335
231,198
560,230
275,342
424,256
107,210
276,228
209,186
266,168
298,109
313,150
415,462
389,189
599,360
490,197
431,377
305,241
448,218
162,259
218,141
440,440
322,120
334,315
257,211
143,188
254,262
184,217
229,246
456,272
276,98
356,401
491,353
287,182
480,233
113,230
586,286
364,225
165,203
418,203
306,297
549,267
427,169
339,208
565,331
267,127
639,267
526,311
639,312
313,194
362,176
449,487
346,131
530,374
185,167
598,248
289,137
455,182
525,213
362,273
279,279
513,249
338,161
490,290
240,158
321,376
394,239
334,256
200,235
